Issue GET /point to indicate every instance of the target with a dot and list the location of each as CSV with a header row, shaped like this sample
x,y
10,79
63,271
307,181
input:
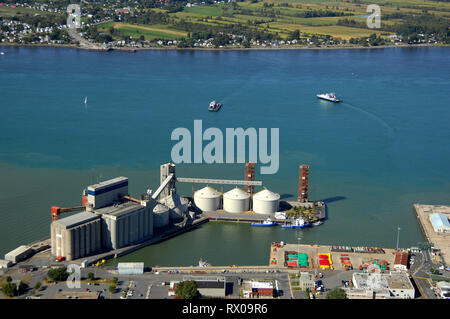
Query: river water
x,y
372,156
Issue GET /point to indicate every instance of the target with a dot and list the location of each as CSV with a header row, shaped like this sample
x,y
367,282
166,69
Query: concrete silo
x,y
265,202
207,199
161,215
236,201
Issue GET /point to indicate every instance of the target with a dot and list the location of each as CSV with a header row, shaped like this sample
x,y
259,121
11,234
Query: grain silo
x,y
207,199
265,202
161,215
236,201
178,205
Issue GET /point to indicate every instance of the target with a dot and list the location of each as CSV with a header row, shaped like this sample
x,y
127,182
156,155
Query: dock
x,y
252,217
158,237
440,240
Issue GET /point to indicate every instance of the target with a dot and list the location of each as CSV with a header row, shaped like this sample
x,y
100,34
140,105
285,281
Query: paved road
x,y
83,42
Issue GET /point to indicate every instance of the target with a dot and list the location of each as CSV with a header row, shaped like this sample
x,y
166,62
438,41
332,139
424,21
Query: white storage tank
x,y
160,215
236,201
207,199
178,205
266,202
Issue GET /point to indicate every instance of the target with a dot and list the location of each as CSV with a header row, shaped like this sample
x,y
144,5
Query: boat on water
x,y
2,53
297,224
329,97
203,263
85,100
214,106
267,223
318,223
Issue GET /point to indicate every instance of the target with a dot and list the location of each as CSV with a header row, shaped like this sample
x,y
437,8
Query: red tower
x,y
249,176
303,182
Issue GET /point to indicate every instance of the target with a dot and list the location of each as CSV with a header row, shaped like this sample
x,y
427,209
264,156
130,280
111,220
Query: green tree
x,y
112,288
37,286
23,286
187,290
294,35
115,280
9,289
337,293
90,276
8,279
58,274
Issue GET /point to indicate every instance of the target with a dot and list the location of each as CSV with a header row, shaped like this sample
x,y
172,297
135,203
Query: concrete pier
x,y
440,241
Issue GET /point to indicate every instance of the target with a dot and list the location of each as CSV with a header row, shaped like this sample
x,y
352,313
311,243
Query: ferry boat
x,y
203,263
267,223
214,106
297,224
329,97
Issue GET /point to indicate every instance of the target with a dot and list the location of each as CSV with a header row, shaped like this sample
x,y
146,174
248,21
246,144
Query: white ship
x,y
329,97
203,263
214,106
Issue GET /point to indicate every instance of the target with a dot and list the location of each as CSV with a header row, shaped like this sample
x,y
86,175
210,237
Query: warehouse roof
x,y
439,220
118,210
77,219
108,183
139,265
401,258
19,250
210,284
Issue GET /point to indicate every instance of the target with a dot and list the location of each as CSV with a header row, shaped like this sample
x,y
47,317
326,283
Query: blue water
x,y
372,156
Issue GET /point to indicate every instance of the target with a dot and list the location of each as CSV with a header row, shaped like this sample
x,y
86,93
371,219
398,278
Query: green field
x,y
284,16
149,32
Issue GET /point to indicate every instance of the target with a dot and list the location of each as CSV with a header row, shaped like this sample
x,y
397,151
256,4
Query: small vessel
x,y
85,100
329,97
2,53
267,223
297,224
317,223
203,263
214,106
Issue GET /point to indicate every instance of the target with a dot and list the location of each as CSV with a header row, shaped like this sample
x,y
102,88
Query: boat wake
x,y
372,116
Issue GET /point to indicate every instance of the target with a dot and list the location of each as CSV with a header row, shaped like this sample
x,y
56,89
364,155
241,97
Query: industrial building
x,y
266,202
5,264
258,289
107,192
20,253
125,224
306,281
440,223
76,236
130,268
401,260
236,201
178,205
206,286
444,289
395,285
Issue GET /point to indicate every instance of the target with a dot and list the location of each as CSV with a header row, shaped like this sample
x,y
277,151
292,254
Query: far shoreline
x,y
133,50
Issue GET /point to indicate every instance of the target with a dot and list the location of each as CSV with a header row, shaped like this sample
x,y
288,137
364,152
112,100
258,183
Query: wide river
x,y
372,156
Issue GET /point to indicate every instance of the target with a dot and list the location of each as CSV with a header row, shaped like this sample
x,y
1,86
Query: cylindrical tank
x,y
236,201
178,205
160,215
207,199
265,202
